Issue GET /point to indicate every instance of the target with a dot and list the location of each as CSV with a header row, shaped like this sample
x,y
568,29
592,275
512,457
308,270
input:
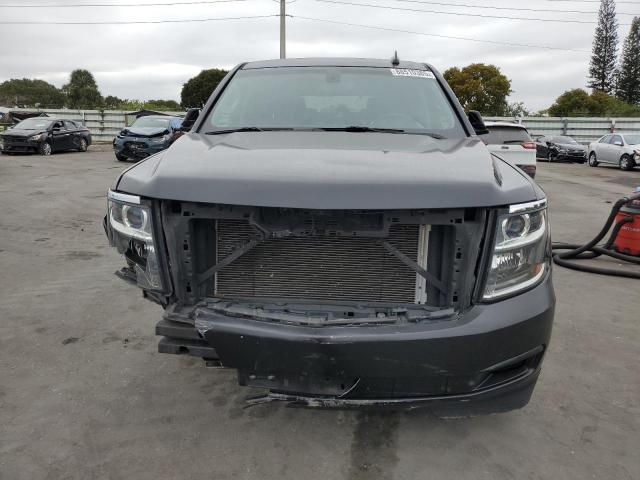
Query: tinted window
x,y
505,135
70,125
605,139
615,138
335,97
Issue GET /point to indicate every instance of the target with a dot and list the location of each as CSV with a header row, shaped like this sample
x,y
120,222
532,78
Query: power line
x,y
68,5
389,29
137,22
588,1
491,7
479,15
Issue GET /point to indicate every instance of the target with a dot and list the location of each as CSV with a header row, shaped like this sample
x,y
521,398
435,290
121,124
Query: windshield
x,y
334,98
632,139
564,140
36,123
152,122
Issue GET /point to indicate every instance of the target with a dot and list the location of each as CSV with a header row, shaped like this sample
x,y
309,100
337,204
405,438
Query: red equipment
x,y
628,239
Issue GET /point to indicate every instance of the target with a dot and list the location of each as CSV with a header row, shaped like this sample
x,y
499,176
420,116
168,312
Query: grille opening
x,y
323,267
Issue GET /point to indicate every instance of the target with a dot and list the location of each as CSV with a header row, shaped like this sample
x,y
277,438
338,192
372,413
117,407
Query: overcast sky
x,y
153,61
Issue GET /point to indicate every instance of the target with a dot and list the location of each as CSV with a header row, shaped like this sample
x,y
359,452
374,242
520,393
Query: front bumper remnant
x,y
487,359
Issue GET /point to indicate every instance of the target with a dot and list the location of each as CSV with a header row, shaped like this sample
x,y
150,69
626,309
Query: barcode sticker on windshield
x,y
408,72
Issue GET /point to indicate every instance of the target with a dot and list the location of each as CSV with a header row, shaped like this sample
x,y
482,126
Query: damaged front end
x,y
339,308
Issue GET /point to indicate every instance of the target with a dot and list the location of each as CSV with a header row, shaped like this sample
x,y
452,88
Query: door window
x,y
616,140
605,139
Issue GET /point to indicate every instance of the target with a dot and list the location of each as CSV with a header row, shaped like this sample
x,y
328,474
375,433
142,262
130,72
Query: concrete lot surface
x,y
84,395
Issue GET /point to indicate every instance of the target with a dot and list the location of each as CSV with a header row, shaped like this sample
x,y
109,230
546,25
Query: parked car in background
x,y
148,135
617,149
511,142
557,148
45,135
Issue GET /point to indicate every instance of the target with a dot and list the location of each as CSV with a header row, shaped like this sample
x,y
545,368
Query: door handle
x,y
505,148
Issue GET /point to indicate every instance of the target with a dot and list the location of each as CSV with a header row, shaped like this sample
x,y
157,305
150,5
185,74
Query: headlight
x,y
133,236
161,139
520,253
38,137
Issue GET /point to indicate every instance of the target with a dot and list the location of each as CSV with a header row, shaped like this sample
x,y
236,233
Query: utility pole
x,y
283,36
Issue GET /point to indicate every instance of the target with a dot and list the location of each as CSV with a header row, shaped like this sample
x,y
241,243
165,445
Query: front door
x,y
61,137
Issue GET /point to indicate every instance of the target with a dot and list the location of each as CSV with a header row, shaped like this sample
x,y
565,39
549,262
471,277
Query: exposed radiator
x,y
318,267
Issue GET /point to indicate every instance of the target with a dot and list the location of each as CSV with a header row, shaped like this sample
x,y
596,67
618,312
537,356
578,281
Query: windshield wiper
x,y
248,129
358,129
234,130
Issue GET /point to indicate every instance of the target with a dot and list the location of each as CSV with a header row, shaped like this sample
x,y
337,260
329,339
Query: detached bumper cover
x,y
491,351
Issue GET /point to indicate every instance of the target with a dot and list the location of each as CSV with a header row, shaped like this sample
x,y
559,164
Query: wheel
x,y
82,145
45,148
593,162
626,163
552,156
121,158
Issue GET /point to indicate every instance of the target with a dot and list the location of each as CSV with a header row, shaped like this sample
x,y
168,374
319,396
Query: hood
x,y
329,170
144,131
15,132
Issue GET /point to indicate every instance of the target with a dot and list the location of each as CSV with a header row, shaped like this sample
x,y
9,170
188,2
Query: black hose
x,y
591,250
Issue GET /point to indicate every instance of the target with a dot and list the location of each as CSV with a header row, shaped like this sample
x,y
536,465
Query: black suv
x,y
335,231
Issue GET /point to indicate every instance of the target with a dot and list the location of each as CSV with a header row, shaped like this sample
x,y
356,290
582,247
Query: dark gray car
x,y
335,231
45,135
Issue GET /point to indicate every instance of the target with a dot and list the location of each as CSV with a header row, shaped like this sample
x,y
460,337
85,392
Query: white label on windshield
x,y
408,72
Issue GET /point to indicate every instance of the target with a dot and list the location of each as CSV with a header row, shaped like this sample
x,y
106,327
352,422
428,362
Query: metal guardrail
x,y
582,129
105,124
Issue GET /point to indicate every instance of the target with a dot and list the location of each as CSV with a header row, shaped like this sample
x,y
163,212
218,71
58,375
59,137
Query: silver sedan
x,y
616,148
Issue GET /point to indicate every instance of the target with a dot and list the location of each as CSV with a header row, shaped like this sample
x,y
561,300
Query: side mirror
x,y
189,119
475,119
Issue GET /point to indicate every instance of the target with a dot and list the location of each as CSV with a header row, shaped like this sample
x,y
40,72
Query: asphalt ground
x,y
84,395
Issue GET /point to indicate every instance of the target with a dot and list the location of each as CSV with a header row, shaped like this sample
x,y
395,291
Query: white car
x,y
511,142
616,148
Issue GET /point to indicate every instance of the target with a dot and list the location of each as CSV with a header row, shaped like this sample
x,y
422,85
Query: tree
x,y
578,102
82,90
30,93
605,46
198,89
112,102
162,105
517,109
628,85
480,87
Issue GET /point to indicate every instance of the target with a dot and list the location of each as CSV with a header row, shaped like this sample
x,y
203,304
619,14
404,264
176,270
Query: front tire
x,y
45,149
82,145
626,163
552,156
121,158
593,161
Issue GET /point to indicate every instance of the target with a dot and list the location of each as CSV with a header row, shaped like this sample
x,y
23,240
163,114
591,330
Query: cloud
x,y
153,61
